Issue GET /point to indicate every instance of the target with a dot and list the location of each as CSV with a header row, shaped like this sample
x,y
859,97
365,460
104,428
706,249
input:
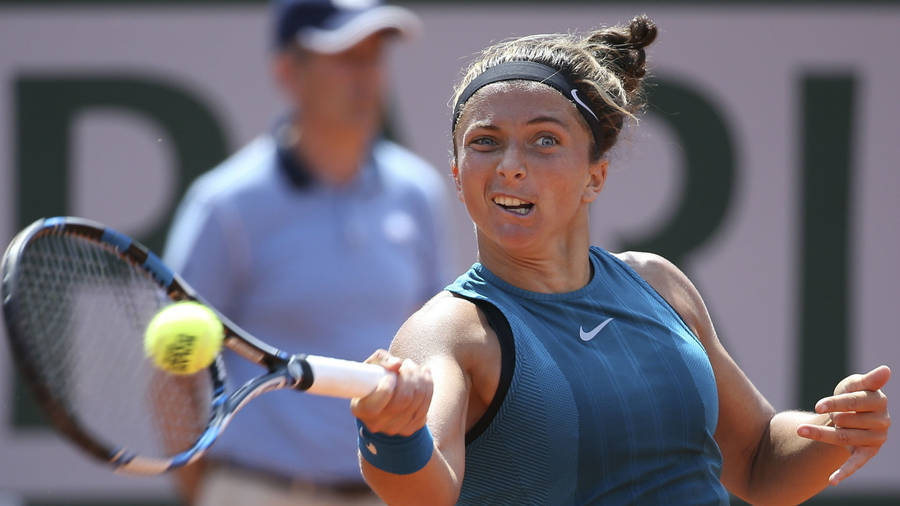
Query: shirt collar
x,y
295,168
289,164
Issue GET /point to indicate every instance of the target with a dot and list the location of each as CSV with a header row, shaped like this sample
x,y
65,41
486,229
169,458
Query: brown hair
x,y
607,66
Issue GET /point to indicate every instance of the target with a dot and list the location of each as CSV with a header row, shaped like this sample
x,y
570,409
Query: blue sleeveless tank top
x,y
611,400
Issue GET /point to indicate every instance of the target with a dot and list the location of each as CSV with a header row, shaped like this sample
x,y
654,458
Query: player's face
x,y
343,90
523,168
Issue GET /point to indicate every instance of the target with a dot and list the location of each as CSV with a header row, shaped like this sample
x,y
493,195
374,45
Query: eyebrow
x,y
539,119
545,119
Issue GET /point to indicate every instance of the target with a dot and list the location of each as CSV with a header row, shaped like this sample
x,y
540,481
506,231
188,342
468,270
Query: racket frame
x,y
284,371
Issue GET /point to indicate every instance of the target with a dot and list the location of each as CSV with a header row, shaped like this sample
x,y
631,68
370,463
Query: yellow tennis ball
x,y
184,338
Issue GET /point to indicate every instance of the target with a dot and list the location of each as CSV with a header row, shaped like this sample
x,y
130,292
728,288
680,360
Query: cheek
x,y
310,86
466,186
470,181
374,75
567,184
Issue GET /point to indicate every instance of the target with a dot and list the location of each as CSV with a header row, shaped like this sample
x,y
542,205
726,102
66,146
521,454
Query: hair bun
x,y
642,32
623,48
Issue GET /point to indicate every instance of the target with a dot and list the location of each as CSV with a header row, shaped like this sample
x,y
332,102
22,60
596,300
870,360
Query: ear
x,y
281,66
454,170
596,180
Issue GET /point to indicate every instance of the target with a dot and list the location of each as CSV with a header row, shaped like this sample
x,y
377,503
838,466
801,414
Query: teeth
x,y
509,201
513,204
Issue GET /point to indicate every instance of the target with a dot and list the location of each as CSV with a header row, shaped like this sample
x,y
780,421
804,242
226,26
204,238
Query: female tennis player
x,y
555,372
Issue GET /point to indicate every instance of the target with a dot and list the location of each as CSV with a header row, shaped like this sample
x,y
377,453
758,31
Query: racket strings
x,y
87,311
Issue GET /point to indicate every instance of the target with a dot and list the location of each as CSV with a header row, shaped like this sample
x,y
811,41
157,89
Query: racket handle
x,y
343,378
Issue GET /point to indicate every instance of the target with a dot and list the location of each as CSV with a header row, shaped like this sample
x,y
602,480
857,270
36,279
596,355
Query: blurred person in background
x,y
319,237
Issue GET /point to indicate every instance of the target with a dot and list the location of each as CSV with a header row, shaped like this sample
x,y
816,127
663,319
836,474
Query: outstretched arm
x,y
396,408
857,419
447,348
787,457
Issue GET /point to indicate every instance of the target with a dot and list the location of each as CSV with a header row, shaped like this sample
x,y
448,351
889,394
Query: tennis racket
x,y
77,298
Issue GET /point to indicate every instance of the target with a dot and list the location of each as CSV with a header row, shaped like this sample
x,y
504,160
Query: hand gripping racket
x,y
77,298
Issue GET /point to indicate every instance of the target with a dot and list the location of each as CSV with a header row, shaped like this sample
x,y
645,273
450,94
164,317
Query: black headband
x,y
529,71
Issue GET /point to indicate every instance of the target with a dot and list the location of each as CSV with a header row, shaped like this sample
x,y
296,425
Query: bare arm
x,y
446,346
800,453
771,458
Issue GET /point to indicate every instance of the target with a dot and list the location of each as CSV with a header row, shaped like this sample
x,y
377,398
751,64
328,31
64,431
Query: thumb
x,y
377,400
384,358
877,378
872,380
860,456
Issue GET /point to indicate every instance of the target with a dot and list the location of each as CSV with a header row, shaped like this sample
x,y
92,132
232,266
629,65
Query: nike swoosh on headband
x,y
582,104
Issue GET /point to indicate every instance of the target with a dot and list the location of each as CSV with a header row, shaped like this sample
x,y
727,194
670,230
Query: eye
x,y
546,141
483,141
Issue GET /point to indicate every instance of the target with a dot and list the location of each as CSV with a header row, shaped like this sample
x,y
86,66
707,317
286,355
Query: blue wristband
x,y
396,454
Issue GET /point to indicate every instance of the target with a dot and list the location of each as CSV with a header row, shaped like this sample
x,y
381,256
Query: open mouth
x,y
514,205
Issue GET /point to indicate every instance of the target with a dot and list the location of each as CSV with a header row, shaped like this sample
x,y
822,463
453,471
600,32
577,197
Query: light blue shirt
x,y
309,268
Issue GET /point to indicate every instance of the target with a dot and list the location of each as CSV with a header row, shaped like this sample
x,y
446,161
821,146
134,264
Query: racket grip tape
x,y
334,377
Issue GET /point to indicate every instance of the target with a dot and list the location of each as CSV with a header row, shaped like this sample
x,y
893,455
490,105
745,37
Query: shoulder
x,y
214,200
446,325
239,173
403,167
452,334
672,284
398,157
655,269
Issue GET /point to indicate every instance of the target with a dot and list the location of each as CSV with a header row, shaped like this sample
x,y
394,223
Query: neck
x,y
334,156
559,268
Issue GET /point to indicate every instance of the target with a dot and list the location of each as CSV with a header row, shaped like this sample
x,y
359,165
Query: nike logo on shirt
x,y
587,336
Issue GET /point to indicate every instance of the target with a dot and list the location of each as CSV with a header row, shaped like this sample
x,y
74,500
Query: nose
x,y
512,165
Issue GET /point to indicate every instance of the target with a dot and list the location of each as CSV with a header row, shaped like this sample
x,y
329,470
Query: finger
x,y
377,357
840,436
404,423
414,414
857,459
404,393
385,359
375,402
876,378
865,401
420,415
872,380
395,417
868,421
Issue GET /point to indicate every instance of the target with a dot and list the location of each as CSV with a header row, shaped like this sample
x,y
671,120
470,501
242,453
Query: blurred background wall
x,y
766,167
